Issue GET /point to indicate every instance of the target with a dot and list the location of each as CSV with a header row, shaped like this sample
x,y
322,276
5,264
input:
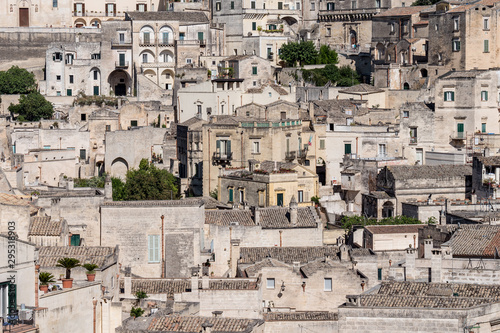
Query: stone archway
x,y
120,82
119,167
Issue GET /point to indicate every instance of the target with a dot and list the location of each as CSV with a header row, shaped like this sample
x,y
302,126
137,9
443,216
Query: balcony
x,y
290,156
146,43
121,64
158,65
121,44
190,42
166,43
222,158
458,136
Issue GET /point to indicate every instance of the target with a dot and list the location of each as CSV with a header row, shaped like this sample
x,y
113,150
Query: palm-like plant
x,y
90,268
46,278
68,263
136,312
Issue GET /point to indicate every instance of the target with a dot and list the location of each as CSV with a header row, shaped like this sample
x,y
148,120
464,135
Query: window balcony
x,y
219,158
290,156
413,140
458,136
121,64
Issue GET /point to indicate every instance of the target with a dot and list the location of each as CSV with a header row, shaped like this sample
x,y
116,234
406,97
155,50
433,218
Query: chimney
x,y
128,285
55,209
436,266
344,253
70,185
311,111
205,282
296,266
194,284
410,264
256,216
108,189
293,211
235,256
428,246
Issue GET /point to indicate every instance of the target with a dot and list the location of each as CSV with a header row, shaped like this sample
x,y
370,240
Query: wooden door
x,y
24,17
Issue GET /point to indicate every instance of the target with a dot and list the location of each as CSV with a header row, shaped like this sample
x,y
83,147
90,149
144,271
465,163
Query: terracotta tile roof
x,y
43,226
191,324
289,255
243,217
159,286
402,11
431,295
361,88
232,284
255,269
189,16
188,202
318,265
99,255
14,200
270,217
279,89
476,241
394,229
301,316
429,171
490,160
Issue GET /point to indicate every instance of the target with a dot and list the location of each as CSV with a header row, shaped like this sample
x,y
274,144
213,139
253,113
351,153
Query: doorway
x,y
24,17
121,89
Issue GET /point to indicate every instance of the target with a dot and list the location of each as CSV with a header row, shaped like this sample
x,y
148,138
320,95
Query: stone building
x,y
258,27
268,184
44,232
400,42
228,234
391,237
431,306
17,210
139,235
418,182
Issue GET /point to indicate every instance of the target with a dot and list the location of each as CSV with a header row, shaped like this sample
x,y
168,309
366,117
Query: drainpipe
x,y
162,248
281,238
37,270
94,302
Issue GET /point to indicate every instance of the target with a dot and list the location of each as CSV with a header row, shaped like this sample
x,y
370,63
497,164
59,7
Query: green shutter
x,y
347,148
483,127
254,25
380,274
460,128
231,195
228,150
452,95
96,90
486,46
217,145
69,92
200,35
279,199
75,240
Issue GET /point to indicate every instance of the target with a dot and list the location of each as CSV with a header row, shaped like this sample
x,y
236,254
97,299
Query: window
x,y
54,3
413,135
58,77
256,147
58,93
133,123
379,274
200,35
231,194
270,283
393,27
71,79
108,128
242,195
449,96
96,74
110,9
223,147
382,152
254,26
297,5
300,195
377,4
330,6
96,90
75,240
254,70
460,130
280,5
353,5
484,96
69,92
153,248
232,4
95,56
79,9
403,4
279,199
83,117
322,144
455,24
486,46
141,7
145,58
456,45
57,56
347,148
406,114
313,6
328,284
328,32
218,6
69,58
261,198
189,61
83,154
252,4
486,23
483,128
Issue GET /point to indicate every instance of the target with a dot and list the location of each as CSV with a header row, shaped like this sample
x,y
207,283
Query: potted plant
x,y
45,278
90,271
68,263
136,312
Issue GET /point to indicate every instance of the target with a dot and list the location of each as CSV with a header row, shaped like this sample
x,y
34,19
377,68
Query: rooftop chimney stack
x,y
293,211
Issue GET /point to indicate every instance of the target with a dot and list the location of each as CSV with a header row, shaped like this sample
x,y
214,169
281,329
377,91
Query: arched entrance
x,y
353,37
80,23
387,209
120,82
423,72
119,167
24,13
406,86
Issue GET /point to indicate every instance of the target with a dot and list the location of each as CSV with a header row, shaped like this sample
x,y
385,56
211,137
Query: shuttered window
x,y
153,248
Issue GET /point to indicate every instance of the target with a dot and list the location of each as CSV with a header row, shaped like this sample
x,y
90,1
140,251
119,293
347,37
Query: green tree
x,y
32,107
304,53
347,77
17,81
118,189
68,264
424,2
327,56
150,183
136,312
